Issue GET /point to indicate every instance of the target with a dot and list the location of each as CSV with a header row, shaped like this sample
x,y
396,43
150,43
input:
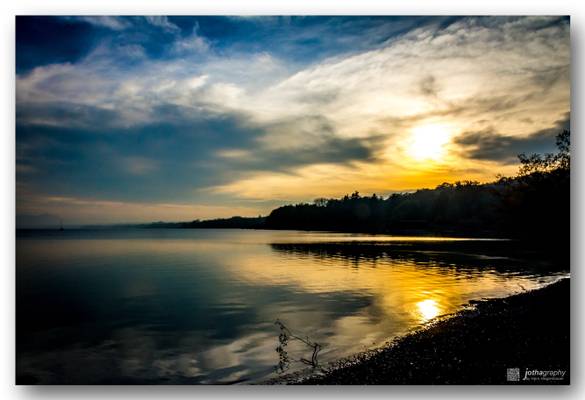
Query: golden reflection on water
x,y
406,291
403,293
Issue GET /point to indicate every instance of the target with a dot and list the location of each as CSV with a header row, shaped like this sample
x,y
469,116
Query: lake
x,y
199,306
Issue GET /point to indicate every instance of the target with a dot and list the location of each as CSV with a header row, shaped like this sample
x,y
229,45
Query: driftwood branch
x,y
283,338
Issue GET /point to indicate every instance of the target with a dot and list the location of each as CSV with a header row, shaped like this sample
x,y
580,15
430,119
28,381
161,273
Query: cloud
x,y
191,44
110,22
261,108
67,114
163,23
428,86
491,145
324,150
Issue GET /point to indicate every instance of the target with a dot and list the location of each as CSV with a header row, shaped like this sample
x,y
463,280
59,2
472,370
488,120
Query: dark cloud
x,y
310,140
329,150
490,145
320,97
174,158
428,86
547,78
470,107
68,115
80,161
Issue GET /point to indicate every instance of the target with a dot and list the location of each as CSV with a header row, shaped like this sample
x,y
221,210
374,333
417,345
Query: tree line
x,y
535,204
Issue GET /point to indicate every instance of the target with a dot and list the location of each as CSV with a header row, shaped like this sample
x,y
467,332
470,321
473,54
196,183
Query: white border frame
x,y
10,8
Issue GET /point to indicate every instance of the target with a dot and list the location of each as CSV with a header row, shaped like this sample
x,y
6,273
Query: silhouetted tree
x,y
543,163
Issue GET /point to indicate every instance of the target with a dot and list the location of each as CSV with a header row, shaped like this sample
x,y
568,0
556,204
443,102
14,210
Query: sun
x,y
427,142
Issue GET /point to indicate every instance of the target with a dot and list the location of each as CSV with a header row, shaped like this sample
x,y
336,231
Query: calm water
x,y
199,306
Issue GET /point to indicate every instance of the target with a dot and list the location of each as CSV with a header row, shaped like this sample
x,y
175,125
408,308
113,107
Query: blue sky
x,y
124,119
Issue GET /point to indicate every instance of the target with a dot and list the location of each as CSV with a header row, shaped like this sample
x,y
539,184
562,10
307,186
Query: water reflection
x,y
199,306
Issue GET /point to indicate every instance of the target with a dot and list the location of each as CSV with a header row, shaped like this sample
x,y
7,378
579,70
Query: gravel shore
x,y
525,336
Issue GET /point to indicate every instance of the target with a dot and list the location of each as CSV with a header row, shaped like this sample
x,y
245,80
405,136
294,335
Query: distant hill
x,y
226,223
38,221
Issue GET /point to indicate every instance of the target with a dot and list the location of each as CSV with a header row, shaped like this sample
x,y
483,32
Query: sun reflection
x,y
428,309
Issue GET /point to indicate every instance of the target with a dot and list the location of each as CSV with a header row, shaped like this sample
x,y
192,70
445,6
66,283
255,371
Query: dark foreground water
x,y
199,306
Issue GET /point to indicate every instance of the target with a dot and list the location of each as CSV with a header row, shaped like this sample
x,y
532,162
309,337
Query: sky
x,y
137,119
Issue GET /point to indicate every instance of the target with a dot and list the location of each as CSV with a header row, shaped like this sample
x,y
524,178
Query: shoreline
x,y
528,331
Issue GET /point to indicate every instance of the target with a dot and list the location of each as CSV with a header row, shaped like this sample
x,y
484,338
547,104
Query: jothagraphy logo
x,y
514,375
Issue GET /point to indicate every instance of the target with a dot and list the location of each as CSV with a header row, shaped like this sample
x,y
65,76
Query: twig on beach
x,y
283,339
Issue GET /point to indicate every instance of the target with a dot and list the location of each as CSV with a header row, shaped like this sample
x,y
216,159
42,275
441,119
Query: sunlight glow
x,y
427,142
428,309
